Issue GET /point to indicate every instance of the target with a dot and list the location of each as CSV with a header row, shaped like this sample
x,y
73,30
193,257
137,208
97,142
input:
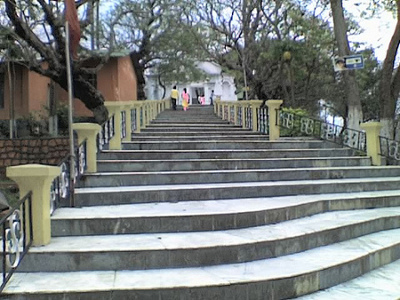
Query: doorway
x,y
196,93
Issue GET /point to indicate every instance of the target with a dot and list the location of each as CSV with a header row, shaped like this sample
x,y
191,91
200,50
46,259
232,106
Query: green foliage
x,y
295,131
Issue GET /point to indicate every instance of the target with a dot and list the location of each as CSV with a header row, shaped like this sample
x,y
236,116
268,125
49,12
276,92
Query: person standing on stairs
x,y
185,99
174,97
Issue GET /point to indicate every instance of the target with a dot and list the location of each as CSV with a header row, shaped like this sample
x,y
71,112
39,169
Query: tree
x,y
354,111
158,43
390,80
250,40
37,36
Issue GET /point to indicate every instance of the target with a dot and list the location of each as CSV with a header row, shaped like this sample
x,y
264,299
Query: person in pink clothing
x,y
202,100
185,99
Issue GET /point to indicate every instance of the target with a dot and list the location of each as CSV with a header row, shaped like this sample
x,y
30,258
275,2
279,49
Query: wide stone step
x,y
276,278
194,192
380,284
219,125
222,144
225,154
197,133
171,250
192,128
202,120
209,215
190,137
116,179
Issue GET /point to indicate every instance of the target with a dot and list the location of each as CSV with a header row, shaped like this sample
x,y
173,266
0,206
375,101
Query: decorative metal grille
x,y
123,124
302,125
389,148
15,243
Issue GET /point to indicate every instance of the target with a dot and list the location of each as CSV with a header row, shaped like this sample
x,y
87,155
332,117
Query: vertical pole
x,y
70,112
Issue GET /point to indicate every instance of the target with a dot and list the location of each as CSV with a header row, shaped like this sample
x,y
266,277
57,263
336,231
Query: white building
x,y
222,84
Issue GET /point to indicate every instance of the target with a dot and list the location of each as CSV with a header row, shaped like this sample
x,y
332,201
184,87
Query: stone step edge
x,y
380,284
304,273
277,233
220,207
195,172
229,150
208,186
217,141
188,160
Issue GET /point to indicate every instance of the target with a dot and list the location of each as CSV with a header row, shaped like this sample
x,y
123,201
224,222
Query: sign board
x,y
351,62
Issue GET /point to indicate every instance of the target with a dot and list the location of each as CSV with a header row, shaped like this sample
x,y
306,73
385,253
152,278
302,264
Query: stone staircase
x,y
196,208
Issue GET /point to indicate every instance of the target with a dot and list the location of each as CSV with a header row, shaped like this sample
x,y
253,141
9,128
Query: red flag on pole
x,y
71,15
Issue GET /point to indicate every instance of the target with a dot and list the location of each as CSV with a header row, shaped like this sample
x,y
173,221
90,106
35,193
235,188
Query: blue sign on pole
x,y
354,62
351,62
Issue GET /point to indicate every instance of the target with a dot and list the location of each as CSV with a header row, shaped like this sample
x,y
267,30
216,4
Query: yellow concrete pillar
x,y
38,179
235,117
128,125
216,107
88,132
115,108
243,114
228,104
245,105
372,130
255,104
273,119
146,114
136,106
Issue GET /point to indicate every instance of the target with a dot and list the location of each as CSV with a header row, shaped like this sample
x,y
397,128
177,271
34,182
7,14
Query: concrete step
x,y
201,121
193,128
197,133
116,179
223,145
275,278
209,215
380,284
226,154
219,125
196,249
189,137
194,192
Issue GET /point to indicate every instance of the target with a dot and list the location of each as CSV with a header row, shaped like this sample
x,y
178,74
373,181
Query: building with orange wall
x,y
34,93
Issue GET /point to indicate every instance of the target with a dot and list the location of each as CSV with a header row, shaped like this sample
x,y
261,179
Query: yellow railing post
x,y
254,105
88,132
273,106
372,130
38,179
128,121
115,108
229,111
245,105
137,107
216,107
235,113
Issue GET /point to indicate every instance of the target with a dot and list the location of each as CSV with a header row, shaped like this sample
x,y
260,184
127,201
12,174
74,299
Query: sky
x,y
377,31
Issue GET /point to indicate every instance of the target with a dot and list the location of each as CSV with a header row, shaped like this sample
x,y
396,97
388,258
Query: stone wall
x,y
47,151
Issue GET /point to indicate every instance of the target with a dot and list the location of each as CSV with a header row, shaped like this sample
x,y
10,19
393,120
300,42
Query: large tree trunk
x,y
54,57
87,93
354,115
389,84
139,71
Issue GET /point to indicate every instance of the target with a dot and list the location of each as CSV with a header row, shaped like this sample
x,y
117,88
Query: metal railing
x,y
16,225
302,125
106,133
389,148
123,124
62,187
262,120
241,113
